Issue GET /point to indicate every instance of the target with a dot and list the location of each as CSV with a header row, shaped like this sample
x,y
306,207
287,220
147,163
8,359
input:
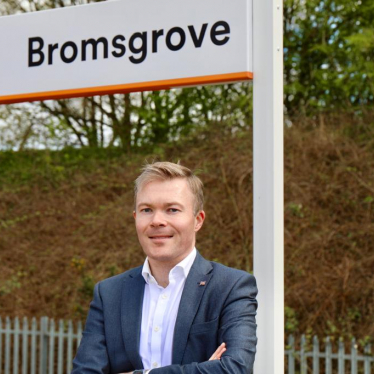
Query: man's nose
x,y
158,219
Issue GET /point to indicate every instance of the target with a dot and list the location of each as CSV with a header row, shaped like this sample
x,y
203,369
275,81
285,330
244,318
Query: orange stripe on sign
x,y
126,88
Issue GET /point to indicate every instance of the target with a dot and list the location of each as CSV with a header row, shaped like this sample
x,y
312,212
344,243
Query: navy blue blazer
x,y
222,310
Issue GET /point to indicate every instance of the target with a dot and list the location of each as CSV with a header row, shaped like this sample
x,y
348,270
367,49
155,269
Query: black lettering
x,y
155,35
198,41
120,46
70,59
51,48
94,44
214,32
142,49
36,51
175,47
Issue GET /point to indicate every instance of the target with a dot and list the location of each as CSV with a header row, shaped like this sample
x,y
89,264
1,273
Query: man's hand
x,y
215,356
219,352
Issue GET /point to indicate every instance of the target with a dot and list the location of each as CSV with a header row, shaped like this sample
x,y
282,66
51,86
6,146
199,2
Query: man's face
x,y
165,220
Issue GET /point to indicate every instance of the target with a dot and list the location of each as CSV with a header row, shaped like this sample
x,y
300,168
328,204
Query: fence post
x,y
16,332
79,333
69,362
60,347
302,355
25,345
291,355
33,346
1,343
328,353
7,345
353,356
43,354
315,355
367,365
341,363
51,346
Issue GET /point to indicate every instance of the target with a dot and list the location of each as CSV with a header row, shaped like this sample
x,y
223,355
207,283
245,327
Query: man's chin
x,y
160,241
162,257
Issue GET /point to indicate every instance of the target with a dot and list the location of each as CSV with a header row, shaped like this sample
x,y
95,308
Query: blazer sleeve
x,y
237,329
92,356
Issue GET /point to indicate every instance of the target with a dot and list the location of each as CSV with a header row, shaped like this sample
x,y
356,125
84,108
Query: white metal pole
x,y
268,183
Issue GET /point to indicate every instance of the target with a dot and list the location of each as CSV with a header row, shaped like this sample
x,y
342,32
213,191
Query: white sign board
x,y
124,46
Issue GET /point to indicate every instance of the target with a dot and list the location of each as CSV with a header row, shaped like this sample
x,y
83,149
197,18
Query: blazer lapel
x,y
131,316
192,294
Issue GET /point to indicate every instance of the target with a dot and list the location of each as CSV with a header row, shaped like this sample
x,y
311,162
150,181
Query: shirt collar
x,y
182,267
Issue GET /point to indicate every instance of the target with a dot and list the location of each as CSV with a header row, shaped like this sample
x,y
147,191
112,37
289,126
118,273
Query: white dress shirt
x,y
160,309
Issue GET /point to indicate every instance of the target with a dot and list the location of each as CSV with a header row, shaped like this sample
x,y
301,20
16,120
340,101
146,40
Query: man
x,y
178,313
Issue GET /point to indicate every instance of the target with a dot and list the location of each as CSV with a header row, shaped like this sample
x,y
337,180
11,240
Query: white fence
x,y
38,348
48,348
309,358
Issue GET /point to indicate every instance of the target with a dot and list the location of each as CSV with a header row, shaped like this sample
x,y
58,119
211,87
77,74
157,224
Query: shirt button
x,y
155,364
157,329
164,296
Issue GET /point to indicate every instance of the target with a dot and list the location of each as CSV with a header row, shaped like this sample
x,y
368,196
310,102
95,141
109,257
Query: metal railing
x,y
35,348
48,347
310,358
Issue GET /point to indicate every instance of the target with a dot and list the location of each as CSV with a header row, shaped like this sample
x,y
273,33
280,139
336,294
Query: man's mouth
x,y
156,237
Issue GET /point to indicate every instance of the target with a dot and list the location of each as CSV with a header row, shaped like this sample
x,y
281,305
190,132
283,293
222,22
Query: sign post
x,y
268,183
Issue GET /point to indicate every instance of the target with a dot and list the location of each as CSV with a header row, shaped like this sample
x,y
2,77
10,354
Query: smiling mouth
x,y
161,237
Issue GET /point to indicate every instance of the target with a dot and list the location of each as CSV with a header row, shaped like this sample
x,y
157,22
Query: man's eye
x,y
173,210
146,210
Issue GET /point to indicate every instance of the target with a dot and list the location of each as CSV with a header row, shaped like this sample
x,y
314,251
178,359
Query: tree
x,y
329,50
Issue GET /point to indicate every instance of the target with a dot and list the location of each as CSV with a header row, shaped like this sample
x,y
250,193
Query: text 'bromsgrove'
x,y
138,44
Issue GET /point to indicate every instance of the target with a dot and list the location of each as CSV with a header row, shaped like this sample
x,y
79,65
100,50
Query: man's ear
x,y
200,217
134,214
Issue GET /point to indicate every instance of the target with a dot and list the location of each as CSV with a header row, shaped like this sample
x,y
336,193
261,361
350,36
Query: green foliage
x,y
113,270
12,222
365,341
20,168
343,327
328,65
329,48
369,200
87,286
10,285
331,329
133,122
296,209
87,281
291,321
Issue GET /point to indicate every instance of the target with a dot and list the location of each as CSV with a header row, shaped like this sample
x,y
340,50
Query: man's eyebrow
x,y
173,203
144,203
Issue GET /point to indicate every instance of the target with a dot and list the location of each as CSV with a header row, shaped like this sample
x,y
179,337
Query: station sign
x,y
124,46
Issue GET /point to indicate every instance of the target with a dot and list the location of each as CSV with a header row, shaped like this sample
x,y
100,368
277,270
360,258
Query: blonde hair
x,y
161,171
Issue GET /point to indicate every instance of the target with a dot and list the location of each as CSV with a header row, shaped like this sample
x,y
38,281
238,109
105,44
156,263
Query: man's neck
x,y
161,270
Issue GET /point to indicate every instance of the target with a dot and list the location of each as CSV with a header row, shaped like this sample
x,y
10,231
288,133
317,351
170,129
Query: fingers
x,y
219,352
